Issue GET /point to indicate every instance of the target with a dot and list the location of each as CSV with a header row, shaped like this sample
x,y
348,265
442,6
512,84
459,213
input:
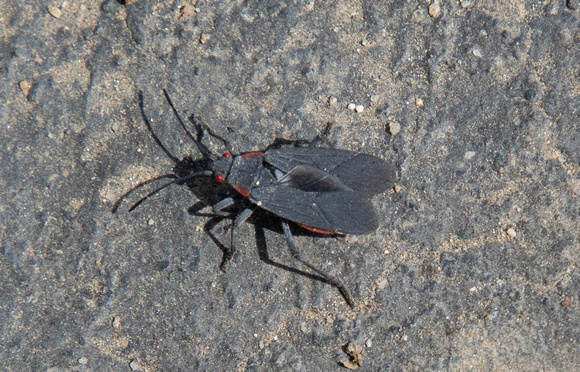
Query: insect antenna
x,y
202,148
157,140
175,180
118,202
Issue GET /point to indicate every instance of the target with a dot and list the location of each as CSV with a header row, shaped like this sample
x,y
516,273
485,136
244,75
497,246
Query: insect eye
x,y
227,155
219,178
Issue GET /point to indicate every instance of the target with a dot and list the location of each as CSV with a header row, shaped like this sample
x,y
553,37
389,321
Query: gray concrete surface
x,y
474,265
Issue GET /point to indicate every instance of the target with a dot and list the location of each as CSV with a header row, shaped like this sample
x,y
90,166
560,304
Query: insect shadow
x,y
321,191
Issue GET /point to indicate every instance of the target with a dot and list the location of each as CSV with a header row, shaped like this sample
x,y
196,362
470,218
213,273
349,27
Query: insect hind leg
x,y
330,280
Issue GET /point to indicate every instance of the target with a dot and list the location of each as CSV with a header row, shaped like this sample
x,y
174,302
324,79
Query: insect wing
x,y
310,179
343,212
365,174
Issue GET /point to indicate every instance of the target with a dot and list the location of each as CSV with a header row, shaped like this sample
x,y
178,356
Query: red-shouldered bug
x,y
323,190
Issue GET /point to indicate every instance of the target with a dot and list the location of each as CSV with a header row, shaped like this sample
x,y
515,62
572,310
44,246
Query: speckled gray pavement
x,y
474,265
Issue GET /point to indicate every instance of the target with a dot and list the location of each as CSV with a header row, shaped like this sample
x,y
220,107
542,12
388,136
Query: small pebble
x,y
188,10
204,38
375,98
466,4
116,322
369,343
469,155
55,11
511,232
351,106
366,43
419,102
151,222
135,366
477,53
359,108
383,284
332,100
435,10
394,128
83,361
404,338
566,303
397,188
25,87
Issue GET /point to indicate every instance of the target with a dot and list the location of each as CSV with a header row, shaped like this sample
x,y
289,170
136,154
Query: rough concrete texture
x,y
475,262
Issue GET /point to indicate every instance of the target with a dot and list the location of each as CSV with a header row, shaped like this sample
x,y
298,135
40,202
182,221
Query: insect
x,y
323,190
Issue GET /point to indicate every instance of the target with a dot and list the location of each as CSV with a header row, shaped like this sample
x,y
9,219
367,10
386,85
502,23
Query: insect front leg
x,y
320,138
200,126
332,281
228,251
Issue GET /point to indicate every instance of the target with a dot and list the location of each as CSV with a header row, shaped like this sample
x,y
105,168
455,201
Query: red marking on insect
x,y
219,178
226,155
257,154
317,230
243,192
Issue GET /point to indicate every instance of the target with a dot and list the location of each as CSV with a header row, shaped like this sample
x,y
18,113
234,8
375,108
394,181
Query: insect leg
x,y
200,126
332,281
202,148
321,137
242,217
223,204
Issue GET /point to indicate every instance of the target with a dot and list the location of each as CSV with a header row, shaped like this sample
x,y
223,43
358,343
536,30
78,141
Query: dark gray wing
x,y
343,212
365,174
311,179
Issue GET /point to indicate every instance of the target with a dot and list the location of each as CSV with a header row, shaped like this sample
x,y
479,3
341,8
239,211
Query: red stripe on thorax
x,y
256,154
242,191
